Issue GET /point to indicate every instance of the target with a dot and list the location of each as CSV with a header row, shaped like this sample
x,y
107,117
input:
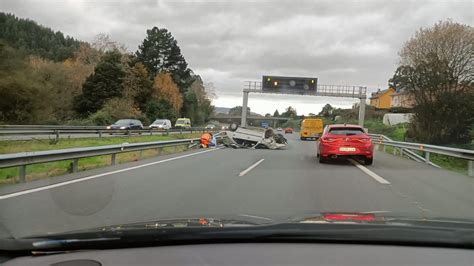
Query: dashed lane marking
x,y
375,176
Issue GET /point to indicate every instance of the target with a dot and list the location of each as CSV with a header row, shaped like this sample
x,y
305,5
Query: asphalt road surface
x,y
261,184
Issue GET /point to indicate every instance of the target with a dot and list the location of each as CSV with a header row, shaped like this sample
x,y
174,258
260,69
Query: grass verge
x,y
398,133
446,162
14,146
40,171
450,163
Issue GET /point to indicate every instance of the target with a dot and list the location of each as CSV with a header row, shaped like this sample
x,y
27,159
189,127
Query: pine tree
x,y
105,83
290,112
159,52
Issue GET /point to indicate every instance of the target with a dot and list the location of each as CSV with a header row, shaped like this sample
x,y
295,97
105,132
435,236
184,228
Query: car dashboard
x,y
258,254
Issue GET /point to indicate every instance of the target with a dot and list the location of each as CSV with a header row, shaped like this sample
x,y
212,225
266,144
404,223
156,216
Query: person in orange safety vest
x,y
206,139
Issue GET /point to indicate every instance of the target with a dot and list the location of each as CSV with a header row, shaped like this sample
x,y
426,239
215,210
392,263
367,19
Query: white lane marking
x,y
375,176
257,217
376,212
16,194
244,172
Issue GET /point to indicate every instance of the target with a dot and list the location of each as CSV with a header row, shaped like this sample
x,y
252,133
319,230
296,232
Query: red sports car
x,y
288,130
345,141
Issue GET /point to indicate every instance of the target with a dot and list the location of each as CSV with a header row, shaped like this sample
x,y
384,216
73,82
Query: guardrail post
x,y
113,159
22,174
427,157
361,111
129,132
100,133
243,119
180,131
394,151
384,148
401,152
56,132
470,168
75,164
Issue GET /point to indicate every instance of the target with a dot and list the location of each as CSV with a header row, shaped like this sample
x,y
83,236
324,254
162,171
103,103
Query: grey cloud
x,y
227,42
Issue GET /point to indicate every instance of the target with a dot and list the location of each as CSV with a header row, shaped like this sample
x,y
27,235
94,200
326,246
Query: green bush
x,y
397,132
79,122
471,133
51,122
401,110
101,118
293,123
113,110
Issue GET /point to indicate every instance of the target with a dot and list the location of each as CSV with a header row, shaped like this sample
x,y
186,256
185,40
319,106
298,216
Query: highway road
x,y
73,136
266,185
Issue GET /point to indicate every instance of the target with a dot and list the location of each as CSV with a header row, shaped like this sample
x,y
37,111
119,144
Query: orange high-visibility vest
x,y
205,138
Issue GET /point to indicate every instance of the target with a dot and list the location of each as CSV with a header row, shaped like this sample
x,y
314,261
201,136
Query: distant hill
x,y
221,110
225,111
27,35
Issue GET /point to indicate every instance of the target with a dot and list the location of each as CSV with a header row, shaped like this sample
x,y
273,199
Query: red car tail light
x,y
365,140
325,139
349,217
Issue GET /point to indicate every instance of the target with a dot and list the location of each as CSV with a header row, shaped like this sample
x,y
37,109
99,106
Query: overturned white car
x,y
253,137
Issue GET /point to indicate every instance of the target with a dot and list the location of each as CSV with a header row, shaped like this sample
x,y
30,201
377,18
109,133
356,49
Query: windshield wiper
x,y
168,224
367,227
394,233
179,223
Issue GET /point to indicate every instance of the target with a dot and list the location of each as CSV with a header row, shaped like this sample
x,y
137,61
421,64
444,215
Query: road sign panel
x,y
292,85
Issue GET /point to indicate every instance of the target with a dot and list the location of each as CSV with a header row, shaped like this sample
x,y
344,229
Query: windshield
x,y
271,112
123,122
312,123
345,131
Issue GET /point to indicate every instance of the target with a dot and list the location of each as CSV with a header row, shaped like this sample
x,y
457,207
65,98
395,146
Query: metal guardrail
x,y
408,149
39,127
410,154
23,159
57,131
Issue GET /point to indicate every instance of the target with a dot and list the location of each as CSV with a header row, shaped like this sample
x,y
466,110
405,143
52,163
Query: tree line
x,y
437,70
94,83
26,35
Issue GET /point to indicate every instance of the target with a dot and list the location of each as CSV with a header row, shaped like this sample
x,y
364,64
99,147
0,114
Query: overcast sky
x,y
229,42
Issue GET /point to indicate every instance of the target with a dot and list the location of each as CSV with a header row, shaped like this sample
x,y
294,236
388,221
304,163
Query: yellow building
x,y
382,99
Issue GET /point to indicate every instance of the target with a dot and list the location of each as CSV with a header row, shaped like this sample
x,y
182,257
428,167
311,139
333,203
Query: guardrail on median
x,y
408,149
57,131
22,160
